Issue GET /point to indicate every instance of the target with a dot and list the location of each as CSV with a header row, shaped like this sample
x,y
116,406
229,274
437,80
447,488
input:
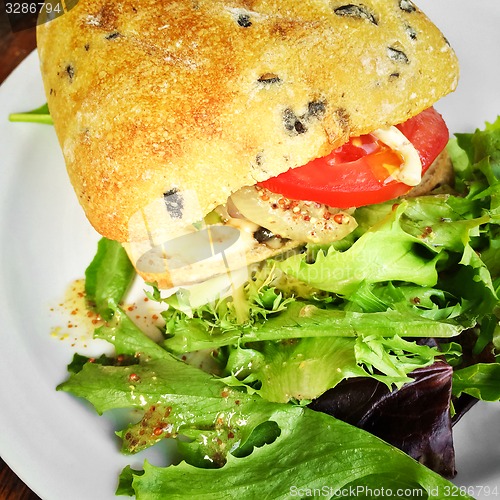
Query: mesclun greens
x,y
410,270
417,280
232,439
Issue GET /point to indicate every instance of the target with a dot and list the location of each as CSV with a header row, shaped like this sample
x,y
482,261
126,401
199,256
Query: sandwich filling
x,y
313,204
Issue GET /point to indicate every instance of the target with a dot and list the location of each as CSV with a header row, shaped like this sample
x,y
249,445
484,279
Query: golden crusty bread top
x,y
206,96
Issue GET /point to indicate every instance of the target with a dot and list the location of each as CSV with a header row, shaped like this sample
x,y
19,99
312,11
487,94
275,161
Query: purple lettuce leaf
x,y
415,418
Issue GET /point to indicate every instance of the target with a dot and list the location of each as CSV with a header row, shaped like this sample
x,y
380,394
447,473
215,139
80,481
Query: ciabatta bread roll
x,y
165,109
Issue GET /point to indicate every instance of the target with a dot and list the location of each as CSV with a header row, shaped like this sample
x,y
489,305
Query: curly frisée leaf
x,y
302,320
267,292
393,357
303,369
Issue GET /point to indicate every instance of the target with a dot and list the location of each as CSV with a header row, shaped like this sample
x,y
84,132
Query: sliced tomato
x,y
359,172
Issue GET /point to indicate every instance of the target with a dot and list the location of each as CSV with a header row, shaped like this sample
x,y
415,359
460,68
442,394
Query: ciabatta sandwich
x,y
188,127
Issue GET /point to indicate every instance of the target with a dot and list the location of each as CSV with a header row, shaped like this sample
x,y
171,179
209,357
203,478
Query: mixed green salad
x,y
403,311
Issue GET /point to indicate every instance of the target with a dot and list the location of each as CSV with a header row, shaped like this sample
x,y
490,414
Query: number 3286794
x,y
33,7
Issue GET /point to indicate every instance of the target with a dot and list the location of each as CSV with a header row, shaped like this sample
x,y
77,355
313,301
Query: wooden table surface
x,y
14,47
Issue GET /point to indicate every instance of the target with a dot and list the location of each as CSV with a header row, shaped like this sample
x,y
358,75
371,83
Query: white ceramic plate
x,y
56,443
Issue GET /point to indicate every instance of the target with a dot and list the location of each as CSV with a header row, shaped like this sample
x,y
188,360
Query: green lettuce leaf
x,y
314,453
412,244
481,380
384,253
486,144
175,398
108,277
38,115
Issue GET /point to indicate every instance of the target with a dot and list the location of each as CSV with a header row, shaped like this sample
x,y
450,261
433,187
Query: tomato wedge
x,y
358,173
